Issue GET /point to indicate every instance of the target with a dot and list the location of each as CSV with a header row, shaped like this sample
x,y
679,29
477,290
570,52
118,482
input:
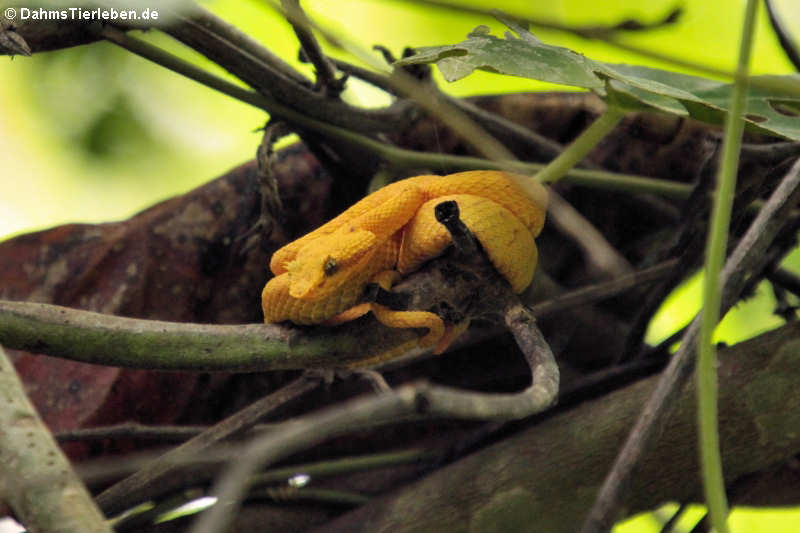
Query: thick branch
x,y
749,256
36,478
42,36
386,408
550,472
238,54
212,37
135,343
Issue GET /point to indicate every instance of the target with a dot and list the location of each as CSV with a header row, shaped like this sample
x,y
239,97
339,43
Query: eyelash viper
x,y
320,278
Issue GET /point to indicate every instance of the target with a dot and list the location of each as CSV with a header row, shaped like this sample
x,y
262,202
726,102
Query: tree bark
x,y
545,477
36,478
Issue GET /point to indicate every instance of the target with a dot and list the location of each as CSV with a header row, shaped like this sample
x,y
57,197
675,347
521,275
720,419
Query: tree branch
x,y
221,43
747,257
327,82
36,478
240,55
161,472
42,36
422,399
548,472
135,343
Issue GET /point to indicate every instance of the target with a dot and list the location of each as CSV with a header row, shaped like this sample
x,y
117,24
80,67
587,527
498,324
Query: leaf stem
x,y
582,145
711,463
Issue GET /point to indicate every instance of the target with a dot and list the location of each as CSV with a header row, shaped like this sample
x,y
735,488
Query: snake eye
x,y
330,266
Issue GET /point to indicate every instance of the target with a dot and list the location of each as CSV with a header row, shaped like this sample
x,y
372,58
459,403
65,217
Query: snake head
x,y
325,264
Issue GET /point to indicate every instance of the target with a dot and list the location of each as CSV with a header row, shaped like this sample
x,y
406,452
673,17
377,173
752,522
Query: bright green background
x,y
95,134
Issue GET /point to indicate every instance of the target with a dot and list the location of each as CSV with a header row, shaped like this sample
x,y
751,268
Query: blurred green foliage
x,y
741,520
95,134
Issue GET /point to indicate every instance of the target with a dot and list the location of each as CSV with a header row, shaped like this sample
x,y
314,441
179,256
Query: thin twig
x,y
327,82
447,214
398,157
201,468
420,93
600,291
540,147
600,254
225,45
158,476
317,427
193,470
421,399
746,257
536,146
610,378
131,430
344,465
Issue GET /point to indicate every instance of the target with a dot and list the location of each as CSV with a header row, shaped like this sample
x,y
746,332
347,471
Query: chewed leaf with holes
x,y
516,57
769,110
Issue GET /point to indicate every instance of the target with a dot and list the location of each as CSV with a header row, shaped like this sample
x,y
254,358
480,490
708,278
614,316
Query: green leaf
x,y
769,110
512,56
634,98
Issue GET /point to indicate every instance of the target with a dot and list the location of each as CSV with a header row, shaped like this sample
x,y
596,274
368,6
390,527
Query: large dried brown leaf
x,y
187,259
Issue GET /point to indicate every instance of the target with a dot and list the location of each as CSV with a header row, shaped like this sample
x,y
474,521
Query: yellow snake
x,y
320,277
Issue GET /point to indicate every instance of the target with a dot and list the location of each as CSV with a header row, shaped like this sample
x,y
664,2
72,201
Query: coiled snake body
x,y
320,277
